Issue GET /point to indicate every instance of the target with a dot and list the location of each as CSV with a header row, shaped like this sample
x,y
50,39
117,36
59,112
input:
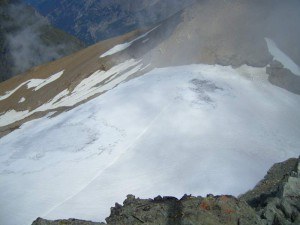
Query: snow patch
x,y
9,93
122,47
22,100
94,84
33,83
281,57
88,87
12,116
39,83
146,40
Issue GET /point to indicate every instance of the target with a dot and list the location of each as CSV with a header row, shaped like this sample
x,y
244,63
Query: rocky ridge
x,y
273,201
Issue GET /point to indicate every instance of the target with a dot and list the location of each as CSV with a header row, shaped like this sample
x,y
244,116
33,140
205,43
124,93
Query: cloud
x,y
30,39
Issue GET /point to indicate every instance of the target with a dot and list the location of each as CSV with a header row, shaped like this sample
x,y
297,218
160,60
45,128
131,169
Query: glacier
x,y
194,129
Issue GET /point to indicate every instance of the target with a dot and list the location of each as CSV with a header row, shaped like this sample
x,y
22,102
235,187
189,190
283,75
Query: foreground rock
x,y
277,197
188,210
274,201
41,221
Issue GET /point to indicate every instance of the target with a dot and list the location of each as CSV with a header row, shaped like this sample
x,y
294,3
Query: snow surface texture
x,y
193,129
33,83
281,57
122,47
98,82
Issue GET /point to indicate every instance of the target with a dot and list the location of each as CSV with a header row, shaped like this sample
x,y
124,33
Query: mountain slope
x,y
181,107
27,39
92,21
213,33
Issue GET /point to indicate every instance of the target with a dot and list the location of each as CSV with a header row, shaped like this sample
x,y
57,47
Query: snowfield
x,y
194,129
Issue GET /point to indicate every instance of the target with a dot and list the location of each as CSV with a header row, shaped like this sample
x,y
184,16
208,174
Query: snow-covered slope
x,y
193,129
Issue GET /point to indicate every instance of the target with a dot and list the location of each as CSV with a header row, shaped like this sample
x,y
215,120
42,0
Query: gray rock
x,y
188,210
277,197
40,221
284,78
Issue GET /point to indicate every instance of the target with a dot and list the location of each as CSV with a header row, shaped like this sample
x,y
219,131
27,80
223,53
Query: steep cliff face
x,y
93,20
27,39
274,201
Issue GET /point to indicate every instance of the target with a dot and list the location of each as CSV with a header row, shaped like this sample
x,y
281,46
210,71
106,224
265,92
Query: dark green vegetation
x,y
27,39
274,201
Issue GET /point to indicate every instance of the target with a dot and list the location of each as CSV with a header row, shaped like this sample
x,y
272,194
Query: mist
x,y
227,32
159,11
30,39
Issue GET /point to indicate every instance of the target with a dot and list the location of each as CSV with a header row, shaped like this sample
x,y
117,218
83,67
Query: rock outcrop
x,y
276,198
188,210
41,221
274,201
284,78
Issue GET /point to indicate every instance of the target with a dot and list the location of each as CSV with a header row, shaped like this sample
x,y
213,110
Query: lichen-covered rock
x,y
40,221
188,210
